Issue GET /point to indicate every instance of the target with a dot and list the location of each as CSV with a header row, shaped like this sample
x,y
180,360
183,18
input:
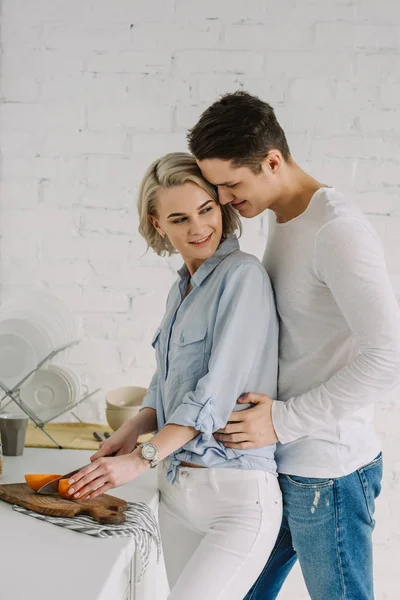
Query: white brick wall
x,y
93,90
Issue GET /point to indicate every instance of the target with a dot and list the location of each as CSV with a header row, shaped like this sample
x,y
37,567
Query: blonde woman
x,y
220,509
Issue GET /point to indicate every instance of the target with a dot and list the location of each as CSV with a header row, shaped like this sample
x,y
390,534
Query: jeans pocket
x,y
308,482
371,482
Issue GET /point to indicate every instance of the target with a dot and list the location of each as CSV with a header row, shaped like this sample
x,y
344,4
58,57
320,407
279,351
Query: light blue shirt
x,y
213,345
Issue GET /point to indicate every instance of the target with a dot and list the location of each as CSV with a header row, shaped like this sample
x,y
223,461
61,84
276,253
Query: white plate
x,y
71,378
47,310
17,359
31,332
47,394
47,323
41,301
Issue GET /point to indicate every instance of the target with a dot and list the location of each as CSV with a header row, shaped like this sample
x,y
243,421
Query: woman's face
x,y
192,220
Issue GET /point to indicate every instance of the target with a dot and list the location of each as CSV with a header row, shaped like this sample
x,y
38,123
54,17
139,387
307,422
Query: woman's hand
x,y
106,473
122,441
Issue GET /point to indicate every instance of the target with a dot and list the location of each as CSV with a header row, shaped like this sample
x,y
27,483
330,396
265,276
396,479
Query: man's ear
x,y
272,162
156,225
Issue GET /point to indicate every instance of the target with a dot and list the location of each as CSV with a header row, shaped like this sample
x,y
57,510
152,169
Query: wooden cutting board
x,y
105,509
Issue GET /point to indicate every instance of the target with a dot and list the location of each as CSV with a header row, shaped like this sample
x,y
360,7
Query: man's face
x,y
248,192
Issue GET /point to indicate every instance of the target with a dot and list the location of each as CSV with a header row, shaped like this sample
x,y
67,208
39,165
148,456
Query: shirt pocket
x,y
188,353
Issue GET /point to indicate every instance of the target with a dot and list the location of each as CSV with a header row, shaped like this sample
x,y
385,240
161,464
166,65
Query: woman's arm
x,y
108,472
124,440
171,438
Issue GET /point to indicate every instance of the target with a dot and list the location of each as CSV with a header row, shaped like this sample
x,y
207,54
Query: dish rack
x,y
13,396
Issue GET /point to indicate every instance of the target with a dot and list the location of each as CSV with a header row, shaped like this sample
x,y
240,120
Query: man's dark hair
x,y
238,127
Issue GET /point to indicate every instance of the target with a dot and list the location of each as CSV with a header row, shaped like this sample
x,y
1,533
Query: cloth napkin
x,y
140,524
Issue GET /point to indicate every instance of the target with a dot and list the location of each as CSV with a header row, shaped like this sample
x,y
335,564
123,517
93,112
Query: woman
x,y
220,509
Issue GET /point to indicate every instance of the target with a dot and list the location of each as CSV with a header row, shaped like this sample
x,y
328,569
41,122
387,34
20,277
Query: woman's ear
x,y
156,225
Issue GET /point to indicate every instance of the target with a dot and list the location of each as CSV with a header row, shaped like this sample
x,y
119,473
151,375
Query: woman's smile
x,y
203,241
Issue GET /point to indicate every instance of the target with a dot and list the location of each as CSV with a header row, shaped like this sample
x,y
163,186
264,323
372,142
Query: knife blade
x,y
51,488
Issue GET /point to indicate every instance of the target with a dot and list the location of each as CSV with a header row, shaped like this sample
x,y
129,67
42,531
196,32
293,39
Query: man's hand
x,y
249,428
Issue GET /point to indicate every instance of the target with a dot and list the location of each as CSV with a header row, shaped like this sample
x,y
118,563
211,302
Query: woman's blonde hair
x,y
173,170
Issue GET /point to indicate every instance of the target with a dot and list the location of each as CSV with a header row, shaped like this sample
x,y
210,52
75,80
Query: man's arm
x,y
350,261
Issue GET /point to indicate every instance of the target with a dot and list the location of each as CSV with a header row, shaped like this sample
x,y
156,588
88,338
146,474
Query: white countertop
x,y
41,560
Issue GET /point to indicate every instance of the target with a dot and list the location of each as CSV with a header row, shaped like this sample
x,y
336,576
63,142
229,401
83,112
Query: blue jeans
x,y
327,524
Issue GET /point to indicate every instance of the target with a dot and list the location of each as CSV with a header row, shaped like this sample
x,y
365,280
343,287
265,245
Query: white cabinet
x,y
101,569
123,585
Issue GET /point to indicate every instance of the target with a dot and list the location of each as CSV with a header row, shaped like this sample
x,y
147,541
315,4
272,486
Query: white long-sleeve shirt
x,y
339,345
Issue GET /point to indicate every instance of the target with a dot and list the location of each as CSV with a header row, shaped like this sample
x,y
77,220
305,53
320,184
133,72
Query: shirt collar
x,y
225,248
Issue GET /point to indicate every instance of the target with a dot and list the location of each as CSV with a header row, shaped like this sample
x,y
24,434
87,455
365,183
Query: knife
x,y
51,488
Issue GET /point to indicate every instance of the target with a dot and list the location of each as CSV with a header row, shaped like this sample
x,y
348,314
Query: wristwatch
x,y
150,453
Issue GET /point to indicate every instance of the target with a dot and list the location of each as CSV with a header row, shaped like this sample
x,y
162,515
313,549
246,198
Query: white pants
x,y
218,528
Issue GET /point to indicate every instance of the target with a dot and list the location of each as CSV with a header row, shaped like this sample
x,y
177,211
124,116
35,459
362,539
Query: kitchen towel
x,y
140,524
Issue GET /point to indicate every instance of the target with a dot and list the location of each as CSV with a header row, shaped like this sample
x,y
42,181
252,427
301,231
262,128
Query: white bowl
x,y
127,396
118,416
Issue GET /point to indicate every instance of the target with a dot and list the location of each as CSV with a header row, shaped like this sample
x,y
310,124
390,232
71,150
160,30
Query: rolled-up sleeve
x,y
245,325
150,399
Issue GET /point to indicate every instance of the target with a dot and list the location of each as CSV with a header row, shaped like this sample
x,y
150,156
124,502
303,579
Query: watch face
x,y
149,452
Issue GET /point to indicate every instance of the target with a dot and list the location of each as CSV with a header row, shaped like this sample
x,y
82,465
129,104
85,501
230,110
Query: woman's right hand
x,y
122,441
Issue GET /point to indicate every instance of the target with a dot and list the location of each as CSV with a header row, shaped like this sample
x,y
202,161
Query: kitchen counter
x,y
41,560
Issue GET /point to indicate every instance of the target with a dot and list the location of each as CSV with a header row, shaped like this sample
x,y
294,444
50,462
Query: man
x,y
339,350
